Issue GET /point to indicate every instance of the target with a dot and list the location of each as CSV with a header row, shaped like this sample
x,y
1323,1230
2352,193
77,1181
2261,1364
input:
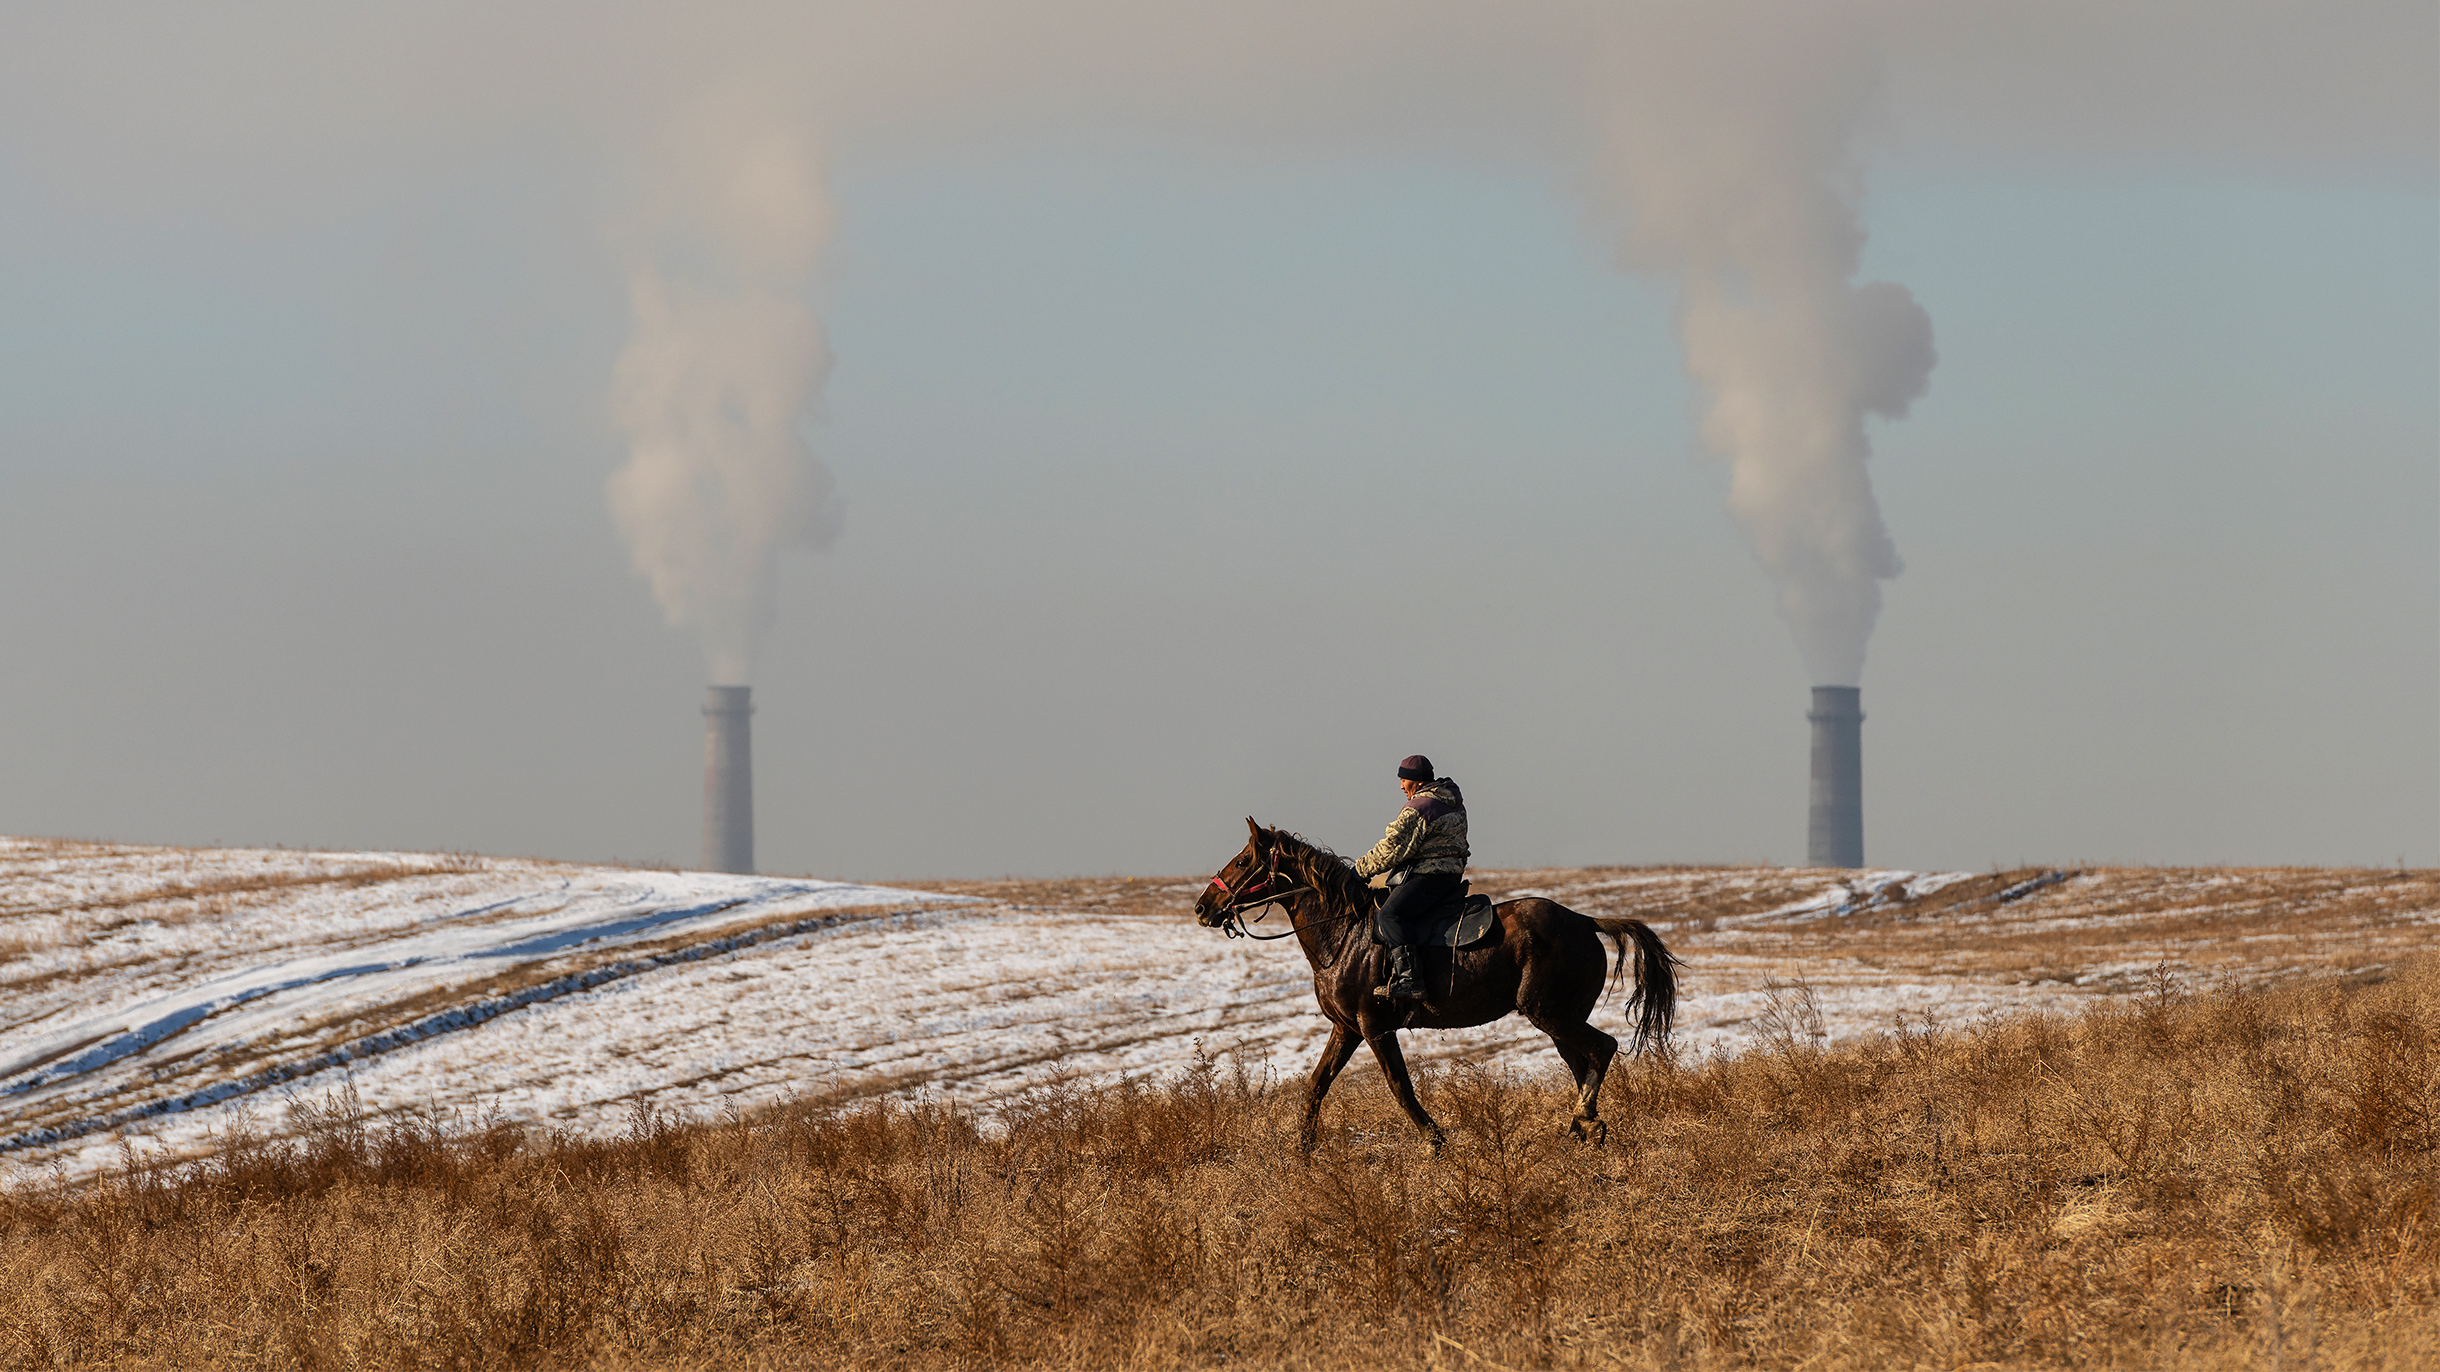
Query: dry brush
x,y
2238,1176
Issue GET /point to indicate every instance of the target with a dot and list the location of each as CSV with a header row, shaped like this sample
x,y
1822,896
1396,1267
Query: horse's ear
x,y
1254,829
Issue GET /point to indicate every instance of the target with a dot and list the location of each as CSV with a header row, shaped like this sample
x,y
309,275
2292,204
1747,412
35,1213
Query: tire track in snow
x,y
449,1021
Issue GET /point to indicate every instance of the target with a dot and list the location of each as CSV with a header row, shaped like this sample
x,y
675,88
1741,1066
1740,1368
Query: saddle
x,y
1462,923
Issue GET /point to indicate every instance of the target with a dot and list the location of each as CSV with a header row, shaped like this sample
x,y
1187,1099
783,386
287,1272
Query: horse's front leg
x,y
1343,1041
1393,1065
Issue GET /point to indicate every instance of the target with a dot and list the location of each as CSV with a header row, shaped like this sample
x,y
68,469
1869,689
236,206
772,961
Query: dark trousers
x,y
1403,918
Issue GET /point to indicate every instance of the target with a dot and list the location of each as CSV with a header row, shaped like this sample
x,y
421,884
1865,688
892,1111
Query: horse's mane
x,y
1323,870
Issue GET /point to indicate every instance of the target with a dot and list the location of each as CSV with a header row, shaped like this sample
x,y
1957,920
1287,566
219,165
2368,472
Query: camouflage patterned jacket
x,y
1429,835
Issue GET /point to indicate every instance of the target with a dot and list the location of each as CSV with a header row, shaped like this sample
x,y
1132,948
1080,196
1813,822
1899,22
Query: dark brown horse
x,y
1542,960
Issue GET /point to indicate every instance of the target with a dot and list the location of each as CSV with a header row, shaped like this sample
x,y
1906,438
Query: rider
x,y
1423,854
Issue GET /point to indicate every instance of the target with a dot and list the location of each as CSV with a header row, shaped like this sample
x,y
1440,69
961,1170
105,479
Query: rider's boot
x,y
1404,984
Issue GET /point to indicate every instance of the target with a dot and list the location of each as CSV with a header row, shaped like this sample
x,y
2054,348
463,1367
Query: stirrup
x,y
1404,982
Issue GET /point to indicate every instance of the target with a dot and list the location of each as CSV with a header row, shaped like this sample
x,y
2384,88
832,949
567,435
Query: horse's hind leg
x,y
1393,1065
1588,1052
1343,1041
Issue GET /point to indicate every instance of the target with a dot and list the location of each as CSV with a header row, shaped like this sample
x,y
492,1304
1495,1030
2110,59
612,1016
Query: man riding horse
x,y
1422,859
1539,959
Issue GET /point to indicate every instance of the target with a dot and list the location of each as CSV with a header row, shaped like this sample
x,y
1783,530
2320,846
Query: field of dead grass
x,y
2237,1175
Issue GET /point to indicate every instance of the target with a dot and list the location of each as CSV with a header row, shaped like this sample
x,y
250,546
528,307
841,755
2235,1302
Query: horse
x,y
1545,962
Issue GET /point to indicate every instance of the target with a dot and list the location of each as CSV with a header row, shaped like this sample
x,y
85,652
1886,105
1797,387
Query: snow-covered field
x,y
152,997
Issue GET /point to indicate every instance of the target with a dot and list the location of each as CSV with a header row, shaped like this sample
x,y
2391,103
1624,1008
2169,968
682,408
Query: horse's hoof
x,y
1595,1132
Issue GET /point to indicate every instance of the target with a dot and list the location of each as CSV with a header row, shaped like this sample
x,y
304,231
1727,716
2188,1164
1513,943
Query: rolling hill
x,y
152,998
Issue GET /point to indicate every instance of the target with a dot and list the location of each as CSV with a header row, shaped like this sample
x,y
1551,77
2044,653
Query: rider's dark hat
x,y
1415,768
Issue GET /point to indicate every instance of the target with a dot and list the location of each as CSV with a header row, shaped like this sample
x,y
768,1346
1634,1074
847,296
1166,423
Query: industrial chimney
x,y
1835,830
728,780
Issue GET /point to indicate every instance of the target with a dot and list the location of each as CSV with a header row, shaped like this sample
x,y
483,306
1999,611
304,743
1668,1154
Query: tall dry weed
x,y
2218,1178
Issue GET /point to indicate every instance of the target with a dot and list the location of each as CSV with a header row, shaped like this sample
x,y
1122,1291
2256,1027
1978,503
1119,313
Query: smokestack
x,y
1835,832
728,780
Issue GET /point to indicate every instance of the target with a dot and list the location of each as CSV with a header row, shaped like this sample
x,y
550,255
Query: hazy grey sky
x,y
1218,411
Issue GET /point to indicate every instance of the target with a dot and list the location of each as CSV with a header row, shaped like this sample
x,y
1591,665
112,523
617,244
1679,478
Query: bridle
x,y
1257,895
1262,895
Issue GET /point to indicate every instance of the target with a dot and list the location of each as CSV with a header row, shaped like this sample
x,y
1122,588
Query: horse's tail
x,y
1654,1005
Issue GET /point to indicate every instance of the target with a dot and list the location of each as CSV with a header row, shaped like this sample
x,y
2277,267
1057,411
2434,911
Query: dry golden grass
x,y
2239,1177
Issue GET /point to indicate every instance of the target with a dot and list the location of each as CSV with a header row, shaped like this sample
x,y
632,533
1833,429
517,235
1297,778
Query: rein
x,y
1261,896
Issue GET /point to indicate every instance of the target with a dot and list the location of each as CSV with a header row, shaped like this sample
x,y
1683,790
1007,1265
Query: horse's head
x,y
1241,879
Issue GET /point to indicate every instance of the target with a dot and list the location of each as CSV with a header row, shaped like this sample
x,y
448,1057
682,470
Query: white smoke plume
x,y
1727,131
716,378
1729,136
